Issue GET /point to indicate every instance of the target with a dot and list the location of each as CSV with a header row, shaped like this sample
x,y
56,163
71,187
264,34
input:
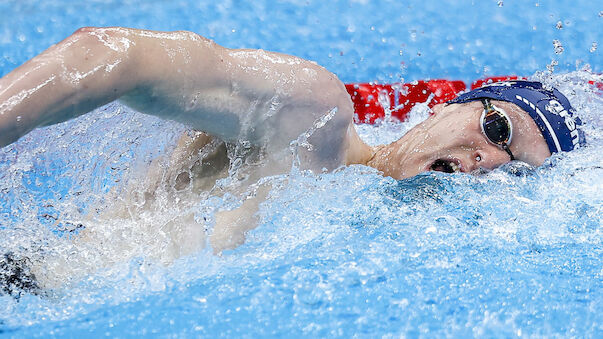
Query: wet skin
x,y
267,99
453,134
226,93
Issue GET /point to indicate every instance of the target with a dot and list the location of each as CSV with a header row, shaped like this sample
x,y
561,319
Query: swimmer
x,y
268,100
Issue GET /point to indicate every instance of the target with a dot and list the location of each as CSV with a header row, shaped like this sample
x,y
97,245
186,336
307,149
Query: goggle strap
x,y
487,105
506,148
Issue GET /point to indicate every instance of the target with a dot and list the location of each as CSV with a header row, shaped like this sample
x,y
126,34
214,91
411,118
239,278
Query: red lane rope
x,y
371,100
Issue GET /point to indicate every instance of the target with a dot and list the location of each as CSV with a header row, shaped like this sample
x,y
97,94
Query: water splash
x,y
339,254
324,237
302,139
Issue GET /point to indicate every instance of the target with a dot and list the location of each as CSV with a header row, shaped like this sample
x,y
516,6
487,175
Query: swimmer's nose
x,y
491,157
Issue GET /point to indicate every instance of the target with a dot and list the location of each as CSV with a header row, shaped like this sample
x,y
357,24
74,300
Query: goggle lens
x,y
497,127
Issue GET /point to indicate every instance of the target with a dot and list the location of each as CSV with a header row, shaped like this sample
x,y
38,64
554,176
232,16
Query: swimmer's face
x,y
451,140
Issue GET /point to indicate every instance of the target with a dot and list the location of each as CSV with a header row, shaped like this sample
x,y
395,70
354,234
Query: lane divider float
x,y
372,100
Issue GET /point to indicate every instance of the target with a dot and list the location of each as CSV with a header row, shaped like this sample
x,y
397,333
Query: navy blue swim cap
x,y
550,110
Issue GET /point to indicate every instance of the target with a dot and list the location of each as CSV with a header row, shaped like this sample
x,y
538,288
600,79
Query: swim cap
x,y
550,110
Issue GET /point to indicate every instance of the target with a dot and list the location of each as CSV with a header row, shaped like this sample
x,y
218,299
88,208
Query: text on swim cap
x,y
556,108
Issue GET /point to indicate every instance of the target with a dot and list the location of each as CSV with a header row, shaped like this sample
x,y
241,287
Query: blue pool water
x,y
513,253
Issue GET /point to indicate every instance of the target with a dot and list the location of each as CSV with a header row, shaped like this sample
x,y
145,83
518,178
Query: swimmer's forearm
x,y
95,66
69,79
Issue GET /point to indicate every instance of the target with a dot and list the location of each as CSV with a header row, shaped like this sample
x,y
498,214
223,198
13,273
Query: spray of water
x,y
100,231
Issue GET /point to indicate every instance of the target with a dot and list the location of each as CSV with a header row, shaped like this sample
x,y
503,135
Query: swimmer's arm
x,y
175,75
68,79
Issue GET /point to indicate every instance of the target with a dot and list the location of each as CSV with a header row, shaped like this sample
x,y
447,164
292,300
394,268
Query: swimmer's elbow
x,y
97,35
84,30
98,46
107,56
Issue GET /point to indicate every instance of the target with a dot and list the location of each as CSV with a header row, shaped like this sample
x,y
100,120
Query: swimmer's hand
x,y
175,75
232,226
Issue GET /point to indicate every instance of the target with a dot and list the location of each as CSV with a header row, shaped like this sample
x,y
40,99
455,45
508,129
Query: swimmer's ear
x,y
437,108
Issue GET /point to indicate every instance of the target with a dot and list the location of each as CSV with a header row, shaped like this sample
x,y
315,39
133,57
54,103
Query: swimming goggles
x,y
496,126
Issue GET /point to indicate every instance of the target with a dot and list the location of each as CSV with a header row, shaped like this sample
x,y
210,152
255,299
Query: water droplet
x,y
413,35
558,46
593,47
551,67
500,3
18,118
559,25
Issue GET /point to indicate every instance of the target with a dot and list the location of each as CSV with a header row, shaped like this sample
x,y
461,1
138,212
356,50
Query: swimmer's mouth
x,y
446,166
